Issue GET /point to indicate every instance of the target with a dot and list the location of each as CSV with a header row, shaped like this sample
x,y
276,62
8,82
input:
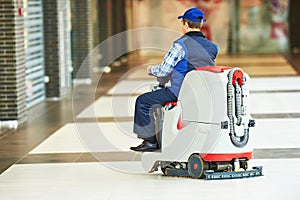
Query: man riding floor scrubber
x,y
207,132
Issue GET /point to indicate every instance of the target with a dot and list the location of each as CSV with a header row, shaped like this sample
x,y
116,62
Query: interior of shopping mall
x,y
71,72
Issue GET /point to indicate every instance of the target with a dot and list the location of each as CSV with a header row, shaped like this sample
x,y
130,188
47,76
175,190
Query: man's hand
x,y
148,70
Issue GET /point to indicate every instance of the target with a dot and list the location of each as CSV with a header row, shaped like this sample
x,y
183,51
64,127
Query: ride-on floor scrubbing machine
x,y
207,132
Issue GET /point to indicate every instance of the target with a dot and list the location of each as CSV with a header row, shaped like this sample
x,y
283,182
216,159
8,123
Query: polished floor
x,y
78,148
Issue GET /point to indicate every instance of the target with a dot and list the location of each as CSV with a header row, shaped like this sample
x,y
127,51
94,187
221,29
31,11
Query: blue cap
x,y
194,15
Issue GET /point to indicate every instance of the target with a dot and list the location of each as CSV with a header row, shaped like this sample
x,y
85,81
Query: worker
x,y
188,52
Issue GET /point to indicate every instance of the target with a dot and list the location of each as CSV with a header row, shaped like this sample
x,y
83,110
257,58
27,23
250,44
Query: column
x,y
12,64
58,66
82,39
294,26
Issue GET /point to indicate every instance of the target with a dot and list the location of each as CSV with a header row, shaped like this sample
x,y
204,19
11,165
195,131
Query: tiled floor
x,y
63,154
103,181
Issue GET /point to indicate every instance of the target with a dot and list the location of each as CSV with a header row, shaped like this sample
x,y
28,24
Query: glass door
x,y
263,26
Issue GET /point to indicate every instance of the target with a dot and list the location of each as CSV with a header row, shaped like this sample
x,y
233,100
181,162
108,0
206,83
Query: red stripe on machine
x,y
225,157
215,69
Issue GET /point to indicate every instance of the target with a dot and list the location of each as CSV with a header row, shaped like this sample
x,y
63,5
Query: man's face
x,y
184,27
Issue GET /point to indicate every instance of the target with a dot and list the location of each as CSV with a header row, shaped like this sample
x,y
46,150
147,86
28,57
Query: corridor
x,y
71,149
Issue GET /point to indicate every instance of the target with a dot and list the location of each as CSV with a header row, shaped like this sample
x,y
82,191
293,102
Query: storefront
x,y
237,26
34,52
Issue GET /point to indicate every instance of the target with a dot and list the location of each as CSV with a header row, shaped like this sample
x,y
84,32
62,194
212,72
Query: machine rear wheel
x,y
195,166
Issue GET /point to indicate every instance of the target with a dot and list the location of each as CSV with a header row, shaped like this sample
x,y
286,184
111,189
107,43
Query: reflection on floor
x,y
63,154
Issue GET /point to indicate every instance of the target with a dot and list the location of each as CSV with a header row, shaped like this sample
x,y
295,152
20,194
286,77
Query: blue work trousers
x,y
145,106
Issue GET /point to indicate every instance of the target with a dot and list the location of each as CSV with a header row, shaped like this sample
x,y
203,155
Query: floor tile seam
x,y
130,118
139,79
80,157
273,65
251,91
255,116
121,95
275,115
253,56
116,152
274,91
254,65
257,74
257,155
104,119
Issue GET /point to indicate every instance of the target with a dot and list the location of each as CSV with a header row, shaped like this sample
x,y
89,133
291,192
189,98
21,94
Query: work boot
x,y
146,146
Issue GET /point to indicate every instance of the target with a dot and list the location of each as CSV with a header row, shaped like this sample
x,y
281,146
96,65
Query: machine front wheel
x,y
195,166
